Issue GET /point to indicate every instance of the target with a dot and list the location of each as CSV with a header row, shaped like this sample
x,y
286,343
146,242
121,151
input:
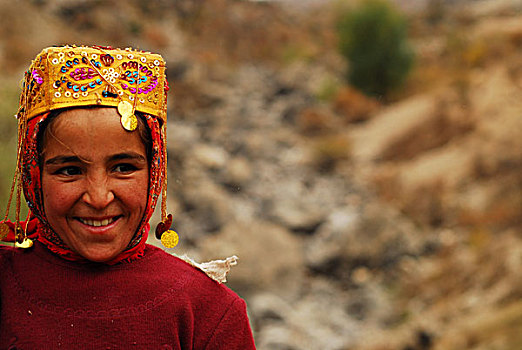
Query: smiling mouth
x,y
98,223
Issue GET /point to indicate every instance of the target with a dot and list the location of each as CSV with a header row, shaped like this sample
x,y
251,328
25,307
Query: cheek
x,y
143,193
57,197
133,194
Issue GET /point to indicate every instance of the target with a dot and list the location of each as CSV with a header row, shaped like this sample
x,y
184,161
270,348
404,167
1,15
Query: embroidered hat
x,y
74,76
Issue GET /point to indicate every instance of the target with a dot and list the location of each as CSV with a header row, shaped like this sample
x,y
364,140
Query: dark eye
x,y
69,171
124,168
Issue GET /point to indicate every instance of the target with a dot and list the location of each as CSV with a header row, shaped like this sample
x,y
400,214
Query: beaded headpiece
x,y
78,76
62,77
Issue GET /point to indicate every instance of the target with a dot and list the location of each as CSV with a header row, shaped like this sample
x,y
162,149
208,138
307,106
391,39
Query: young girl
x,y
92,164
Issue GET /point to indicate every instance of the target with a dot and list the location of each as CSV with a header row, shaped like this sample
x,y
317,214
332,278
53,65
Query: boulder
x,y
371,237
237,172
270,257
412,127
211,157
208,204
316,321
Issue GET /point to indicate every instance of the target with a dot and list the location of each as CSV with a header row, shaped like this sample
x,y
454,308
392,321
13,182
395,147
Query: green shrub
x,y
373,38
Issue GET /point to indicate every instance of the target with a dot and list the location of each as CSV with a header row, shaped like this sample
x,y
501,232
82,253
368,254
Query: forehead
x,y
89,131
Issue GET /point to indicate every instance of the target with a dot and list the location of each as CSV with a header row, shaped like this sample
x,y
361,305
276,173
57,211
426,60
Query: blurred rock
x,y
314,121
207,203
371,237
182,136
238,172
332,237
412,127
354,106
392,124
297,215
269,256
315,321
211,157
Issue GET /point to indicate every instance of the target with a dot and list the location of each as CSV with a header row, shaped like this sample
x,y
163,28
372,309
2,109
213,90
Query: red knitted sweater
x,y
156,302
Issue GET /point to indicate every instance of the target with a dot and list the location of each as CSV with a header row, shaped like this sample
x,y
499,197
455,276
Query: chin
x,y
99,255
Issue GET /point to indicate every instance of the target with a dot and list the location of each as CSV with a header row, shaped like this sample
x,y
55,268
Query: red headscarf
x,y
31,181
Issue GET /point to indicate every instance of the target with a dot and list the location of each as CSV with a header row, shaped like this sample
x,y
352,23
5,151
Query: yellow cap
x,y
75,76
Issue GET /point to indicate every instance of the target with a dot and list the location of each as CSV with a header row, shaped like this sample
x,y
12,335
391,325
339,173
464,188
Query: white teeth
x,y
96,223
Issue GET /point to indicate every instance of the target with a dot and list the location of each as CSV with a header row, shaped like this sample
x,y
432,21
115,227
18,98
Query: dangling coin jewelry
x,y
125,109
26,243
129,123
128,119
4,231
169,239
163,226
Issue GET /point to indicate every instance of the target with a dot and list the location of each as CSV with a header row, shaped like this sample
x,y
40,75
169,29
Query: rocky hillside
x,y
359,224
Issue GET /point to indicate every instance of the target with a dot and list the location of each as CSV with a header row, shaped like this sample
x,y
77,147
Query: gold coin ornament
x,y
128,119
129,123
169,239
27,243
125,109
4,230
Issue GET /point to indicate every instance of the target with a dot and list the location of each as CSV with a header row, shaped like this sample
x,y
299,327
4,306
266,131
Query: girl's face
x,y
94,181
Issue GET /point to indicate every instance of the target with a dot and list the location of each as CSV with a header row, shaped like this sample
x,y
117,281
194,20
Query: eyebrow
x,y
114,157
62,159
128,155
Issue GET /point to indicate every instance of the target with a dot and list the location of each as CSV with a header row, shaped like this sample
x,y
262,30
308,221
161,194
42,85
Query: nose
x,y
98,194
